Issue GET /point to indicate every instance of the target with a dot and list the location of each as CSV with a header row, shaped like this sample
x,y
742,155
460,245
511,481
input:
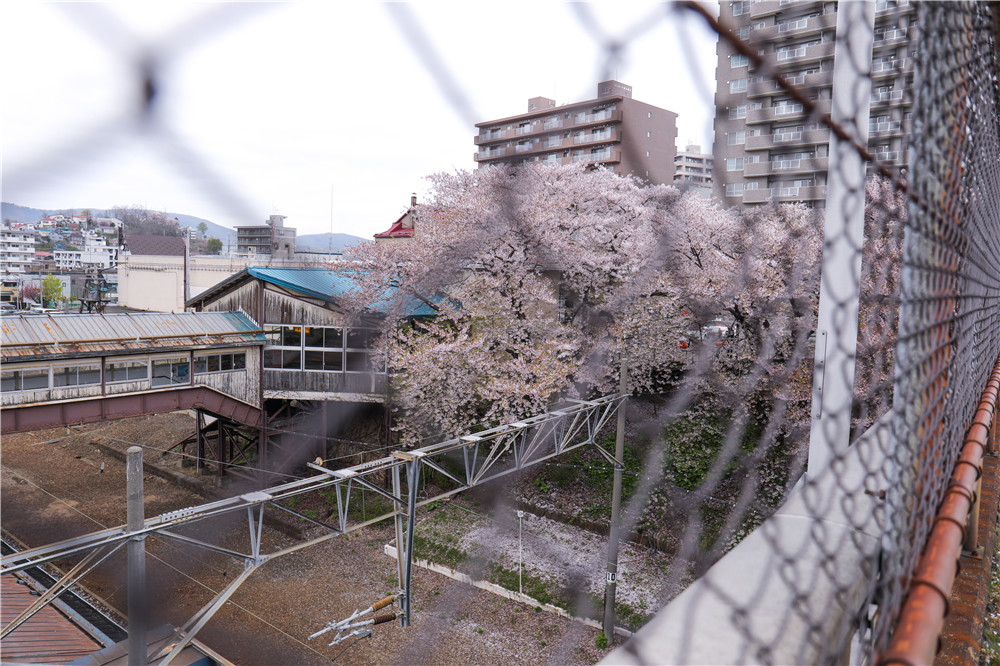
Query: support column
x,y
843,238
137,610
413,481
611,583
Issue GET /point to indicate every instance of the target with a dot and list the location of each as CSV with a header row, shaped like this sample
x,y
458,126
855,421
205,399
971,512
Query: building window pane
x,y
314,336
739,60
272,358
739,85
333,361
213,363
333,338
239,361
226,362
736,112
291,336
357,362
291,360
313,360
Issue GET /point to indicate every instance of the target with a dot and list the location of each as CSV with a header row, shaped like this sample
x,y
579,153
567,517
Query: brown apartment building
x,y
612,130
766,146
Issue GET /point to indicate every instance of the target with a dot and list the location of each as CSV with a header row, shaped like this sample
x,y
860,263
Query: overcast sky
x,y
328,113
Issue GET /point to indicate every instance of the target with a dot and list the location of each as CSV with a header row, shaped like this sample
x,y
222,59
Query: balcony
x,y
490,137
771,114
888,98
552,123
604,156
584,119
789,167
769,87
893,37
524,129
594,137
796,193
486,155
881,129
805,54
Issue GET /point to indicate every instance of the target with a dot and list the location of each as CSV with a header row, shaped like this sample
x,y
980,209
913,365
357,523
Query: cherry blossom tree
x,y
544,279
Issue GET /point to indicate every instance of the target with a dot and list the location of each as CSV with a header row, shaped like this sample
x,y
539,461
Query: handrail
x,y
921,617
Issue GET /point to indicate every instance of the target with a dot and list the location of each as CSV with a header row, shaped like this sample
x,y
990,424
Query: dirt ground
x,y
53,488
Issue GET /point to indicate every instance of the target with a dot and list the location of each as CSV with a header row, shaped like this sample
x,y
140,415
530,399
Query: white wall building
x,y
17,250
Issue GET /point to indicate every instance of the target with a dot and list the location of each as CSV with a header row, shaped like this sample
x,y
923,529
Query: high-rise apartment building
x,y
613,130
766,146
17,251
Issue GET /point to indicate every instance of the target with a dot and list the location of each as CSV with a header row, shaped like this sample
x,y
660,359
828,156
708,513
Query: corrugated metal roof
x,y
47,637
327,285
47,335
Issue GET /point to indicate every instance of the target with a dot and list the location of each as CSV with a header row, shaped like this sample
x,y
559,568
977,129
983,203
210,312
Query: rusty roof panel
x,y
47,637
50,335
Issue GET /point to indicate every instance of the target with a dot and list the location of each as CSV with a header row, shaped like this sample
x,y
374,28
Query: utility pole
x,y
616,510
136,520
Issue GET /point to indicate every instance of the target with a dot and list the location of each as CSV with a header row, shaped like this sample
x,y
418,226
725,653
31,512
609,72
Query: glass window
x,y
734,189
357,362
29,379
739,60
734,164
333,338
226,362
333,361
291,336
273,334
737,138
739,85
120,371
313,360
272,358
167,371
240,361
738,112
359,338
213,363
314,336
291,360
76,375
741,8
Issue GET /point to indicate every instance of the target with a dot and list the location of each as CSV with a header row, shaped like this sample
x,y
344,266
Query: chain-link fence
x,y
823,357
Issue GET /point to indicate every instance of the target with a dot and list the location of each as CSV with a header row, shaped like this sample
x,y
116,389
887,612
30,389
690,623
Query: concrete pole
x,y
136,559
843,238
616,510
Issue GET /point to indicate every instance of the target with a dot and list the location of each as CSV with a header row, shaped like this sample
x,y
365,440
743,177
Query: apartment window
x,y
734,189
736,112
647,153
737,86
737,138
741,8
649,114
734,164
738,60
742,33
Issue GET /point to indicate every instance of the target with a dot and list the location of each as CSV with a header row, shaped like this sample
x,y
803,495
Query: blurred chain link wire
x,y
930,329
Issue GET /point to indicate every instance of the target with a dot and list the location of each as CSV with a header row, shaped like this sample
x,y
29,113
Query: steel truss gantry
x,y
466,461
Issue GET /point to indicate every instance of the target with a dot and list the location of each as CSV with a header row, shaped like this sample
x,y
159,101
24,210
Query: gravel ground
x,y
53,488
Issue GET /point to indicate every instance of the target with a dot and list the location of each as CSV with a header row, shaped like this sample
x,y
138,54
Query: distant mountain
x,y
10,211
325,242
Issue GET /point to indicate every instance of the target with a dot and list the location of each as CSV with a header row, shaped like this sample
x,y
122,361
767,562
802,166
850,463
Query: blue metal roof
x,y
329,286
